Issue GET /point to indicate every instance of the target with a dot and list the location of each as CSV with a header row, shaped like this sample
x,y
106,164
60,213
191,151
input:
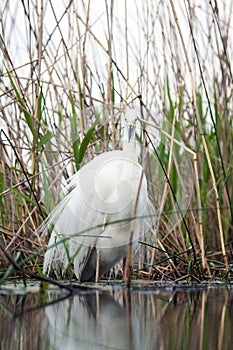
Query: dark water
x,y
145,318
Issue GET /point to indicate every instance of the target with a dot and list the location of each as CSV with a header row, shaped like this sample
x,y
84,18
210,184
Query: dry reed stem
x,y
203,139
199,215
111,58
165,190
169,137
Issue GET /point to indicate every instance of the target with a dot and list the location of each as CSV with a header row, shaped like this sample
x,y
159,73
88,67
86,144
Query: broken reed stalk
x,y
206,150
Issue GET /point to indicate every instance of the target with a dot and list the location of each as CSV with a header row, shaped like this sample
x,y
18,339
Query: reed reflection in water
x,y
155,318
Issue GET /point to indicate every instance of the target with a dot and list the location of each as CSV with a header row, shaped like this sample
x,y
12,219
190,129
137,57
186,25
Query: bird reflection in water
x,y
93,321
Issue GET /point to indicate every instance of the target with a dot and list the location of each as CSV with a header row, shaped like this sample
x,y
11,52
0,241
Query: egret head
x,y
130,125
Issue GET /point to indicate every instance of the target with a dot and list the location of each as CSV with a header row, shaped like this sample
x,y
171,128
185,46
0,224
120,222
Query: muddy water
x,y
145,318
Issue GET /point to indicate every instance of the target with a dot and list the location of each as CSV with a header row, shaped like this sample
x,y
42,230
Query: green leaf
x,y
10,269
21,194
171,107
180,100
113,89
27,115
48,199
39,109
86,141
45,138
74,131
80,95
1,190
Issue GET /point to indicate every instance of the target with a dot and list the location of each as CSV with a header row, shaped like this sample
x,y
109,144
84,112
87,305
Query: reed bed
x,y
66,71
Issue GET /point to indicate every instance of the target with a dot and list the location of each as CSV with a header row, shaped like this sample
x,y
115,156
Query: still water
x,y
147,318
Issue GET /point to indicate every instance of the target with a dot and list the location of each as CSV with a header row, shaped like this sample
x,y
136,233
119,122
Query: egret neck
x,y
129,146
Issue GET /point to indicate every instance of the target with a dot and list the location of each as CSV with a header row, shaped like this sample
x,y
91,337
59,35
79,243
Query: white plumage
x,y
94,218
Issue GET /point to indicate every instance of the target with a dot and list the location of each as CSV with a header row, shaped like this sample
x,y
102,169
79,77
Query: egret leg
x,y
97,271
124,267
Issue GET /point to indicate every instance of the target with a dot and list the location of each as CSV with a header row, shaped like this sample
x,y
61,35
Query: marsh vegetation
x,y
62,65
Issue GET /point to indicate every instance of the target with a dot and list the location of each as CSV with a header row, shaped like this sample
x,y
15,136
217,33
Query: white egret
x,y
93,220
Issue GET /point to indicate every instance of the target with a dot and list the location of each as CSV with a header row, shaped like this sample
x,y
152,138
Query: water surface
x,y
145,318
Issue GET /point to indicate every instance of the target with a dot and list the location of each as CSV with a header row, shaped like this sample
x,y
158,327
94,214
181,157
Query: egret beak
x,y
130,131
